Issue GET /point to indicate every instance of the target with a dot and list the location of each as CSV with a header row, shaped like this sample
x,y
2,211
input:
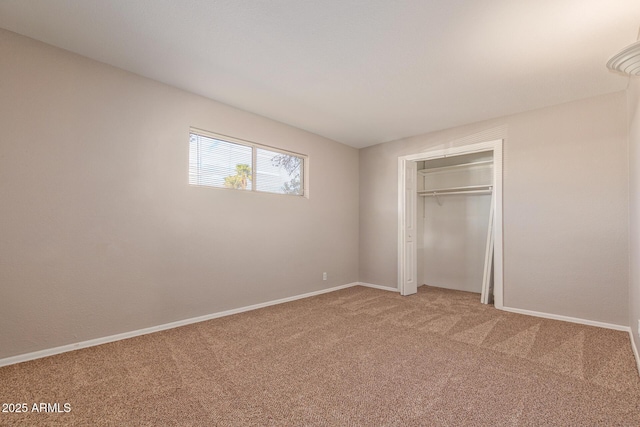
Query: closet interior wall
x,y
452,228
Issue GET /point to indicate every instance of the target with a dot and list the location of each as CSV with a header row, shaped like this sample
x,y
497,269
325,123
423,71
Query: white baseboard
x,y
582,322
635,350
104,340
384,288
567,319
98,341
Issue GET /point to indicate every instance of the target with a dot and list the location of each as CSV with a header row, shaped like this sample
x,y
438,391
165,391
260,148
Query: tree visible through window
x,y
240,180
292,165
218,162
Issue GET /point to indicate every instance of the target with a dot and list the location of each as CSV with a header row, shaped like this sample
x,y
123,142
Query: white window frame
x,y
254,149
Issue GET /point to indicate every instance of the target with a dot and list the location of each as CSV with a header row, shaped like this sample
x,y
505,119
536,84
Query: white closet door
x,y
410,285
488,259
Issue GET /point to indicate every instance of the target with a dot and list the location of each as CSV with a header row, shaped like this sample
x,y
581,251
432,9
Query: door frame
x,y
495,147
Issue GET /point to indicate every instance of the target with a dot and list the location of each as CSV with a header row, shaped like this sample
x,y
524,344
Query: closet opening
x,y
450,220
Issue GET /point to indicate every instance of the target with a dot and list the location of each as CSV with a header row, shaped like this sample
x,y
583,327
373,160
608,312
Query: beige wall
x,y
565,206
100,232
633,98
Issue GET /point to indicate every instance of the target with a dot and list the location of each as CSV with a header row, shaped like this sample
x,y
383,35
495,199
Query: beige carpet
x,y
358,356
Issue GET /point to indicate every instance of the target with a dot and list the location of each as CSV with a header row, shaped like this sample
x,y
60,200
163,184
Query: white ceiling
x,y
357,71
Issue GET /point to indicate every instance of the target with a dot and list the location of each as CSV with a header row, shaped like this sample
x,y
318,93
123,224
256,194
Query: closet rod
x,y
449,193
456,189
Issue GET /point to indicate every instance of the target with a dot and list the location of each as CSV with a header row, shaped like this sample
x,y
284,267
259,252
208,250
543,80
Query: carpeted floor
x,y
358,356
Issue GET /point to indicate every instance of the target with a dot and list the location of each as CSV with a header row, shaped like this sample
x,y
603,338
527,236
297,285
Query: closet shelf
x,y
457,190
458,166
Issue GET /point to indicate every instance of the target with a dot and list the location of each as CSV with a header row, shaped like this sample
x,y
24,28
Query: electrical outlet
x,y
324,276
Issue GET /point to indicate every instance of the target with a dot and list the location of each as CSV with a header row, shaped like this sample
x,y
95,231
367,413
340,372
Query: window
x,y
224,162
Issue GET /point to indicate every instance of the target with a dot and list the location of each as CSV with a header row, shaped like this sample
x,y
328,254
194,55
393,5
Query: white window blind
x,y
278,172
218,162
